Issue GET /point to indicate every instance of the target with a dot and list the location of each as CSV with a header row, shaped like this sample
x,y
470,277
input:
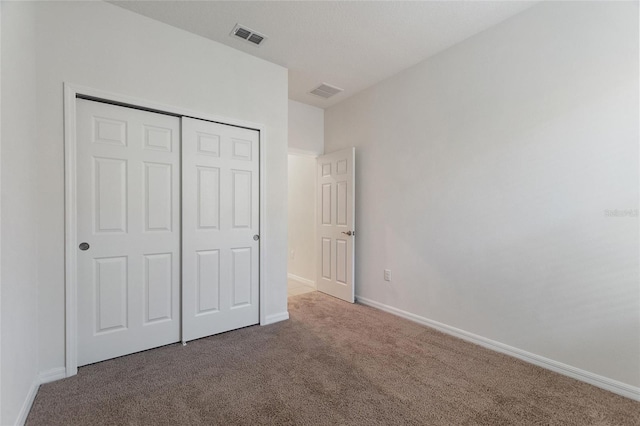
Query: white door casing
x,y
336,224
220,228
128,211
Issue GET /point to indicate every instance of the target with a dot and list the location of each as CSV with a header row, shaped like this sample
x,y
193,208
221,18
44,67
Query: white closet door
x,y
220,228
128,171
336,224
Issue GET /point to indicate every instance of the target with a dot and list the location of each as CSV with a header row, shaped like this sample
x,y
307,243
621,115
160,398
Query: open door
x,y
336,224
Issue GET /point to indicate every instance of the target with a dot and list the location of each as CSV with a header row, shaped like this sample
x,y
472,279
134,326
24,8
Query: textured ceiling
x,y
352,45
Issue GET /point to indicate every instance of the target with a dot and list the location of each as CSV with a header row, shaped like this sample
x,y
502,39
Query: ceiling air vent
x,y
248,35
326,91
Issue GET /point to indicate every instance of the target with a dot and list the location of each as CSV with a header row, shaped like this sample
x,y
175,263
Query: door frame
x,y
73,92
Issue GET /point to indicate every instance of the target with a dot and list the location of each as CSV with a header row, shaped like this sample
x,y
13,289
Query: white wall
x,y
102,46
306,128
302,214
19,211
484,174
1,73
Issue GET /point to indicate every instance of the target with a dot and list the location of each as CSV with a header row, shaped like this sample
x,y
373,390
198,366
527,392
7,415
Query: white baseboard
x,y
303,152
271,319
301,280
629,391
28,402
52,375
43,377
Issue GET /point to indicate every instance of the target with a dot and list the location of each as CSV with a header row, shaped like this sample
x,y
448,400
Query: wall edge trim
x,y
274,318
611,385
303,152
305,281
52,375
28,402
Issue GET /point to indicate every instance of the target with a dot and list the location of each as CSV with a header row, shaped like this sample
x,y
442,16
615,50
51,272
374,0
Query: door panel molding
x,y
335,224
154,141
128,281
220,216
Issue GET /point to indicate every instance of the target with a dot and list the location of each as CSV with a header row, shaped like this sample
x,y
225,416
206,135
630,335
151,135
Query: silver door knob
x,y
349,233
84,246
256,237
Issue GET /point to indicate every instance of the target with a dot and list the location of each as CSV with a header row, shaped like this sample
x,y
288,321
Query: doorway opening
x,y
301,269
322,224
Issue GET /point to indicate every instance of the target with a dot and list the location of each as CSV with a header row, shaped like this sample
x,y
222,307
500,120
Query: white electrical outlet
x,y
387,274
292,255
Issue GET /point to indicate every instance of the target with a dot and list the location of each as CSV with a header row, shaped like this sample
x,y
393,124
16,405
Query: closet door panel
x,y
220,173
128,210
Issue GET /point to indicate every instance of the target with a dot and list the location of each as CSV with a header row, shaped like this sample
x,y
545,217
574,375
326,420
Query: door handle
x,y
256,237
350,233
84,246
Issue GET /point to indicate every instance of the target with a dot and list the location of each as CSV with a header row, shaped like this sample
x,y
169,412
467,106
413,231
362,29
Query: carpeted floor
x,y
332,363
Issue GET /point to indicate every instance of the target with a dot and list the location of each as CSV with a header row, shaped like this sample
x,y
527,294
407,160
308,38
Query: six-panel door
x,y
142,268
128,214
220,228
336,223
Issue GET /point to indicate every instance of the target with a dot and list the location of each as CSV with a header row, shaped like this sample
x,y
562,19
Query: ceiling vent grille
x,y
248,35
326,91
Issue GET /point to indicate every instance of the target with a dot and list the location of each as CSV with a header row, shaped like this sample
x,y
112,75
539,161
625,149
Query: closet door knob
x,y
84,246
256,237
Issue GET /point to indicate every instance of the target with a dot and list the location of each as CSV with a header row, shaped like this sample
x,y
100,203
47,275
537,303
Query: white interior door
x,y
336,224
128,211
220,228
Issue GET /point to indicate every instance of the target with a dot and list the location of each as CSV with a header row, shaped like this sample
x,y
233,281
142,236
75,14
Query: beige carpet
x,y
331,363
